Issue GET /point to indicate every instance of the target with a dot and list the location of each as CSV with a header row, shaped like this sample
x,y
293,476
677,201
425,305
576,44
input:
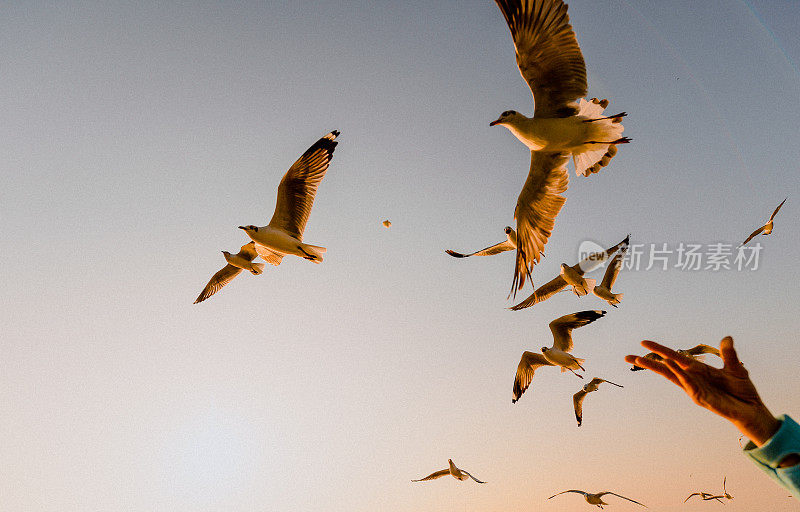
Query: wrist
x,y
759,427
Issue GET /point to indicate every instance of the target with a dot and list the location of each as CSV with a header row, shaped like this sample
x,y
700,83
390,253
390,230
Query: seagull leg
x,y
575,374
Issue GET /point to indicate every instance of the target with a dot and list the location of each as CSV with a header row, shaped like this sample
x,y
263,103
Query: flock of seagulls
x,y
564,125
707,496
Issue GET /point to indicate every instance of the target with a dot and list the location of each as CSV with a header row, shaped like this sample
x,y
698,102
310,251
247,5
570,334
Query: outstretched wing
x,y
771,217
601,494
693,494
577,401
702,348
528,364
217,281
538,205
248,251
542,293
434,476
753,234
548,54
489,251
472,477
571,490
562,327
610,277
298,187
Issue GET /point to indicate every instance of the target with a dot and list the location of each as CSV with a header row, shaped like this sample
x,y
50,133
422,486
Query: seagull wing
x,y
548,54
248,251
538,205
434,476
528,364
489,251
271,257
596,259
693,494
571,490
613,269
298,187
577,401
542,293
620,496
472,477
776,210
217,281
753,234
562,327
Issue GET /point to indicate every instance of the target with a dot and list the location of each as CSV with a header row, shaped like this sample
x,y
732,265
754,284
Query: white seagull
x,y
577,398
571,276
612,271
558,354
597,498
509,244
458,474
284,233
551,62
766,228
243,260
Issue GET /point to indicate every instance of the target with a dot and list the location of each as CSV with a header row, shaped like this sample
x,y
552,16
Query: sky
x,y
136,137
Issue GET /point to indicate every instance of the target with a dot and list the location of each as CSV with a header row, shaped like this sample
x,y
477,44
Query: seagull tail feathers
x,y
258,268
315,251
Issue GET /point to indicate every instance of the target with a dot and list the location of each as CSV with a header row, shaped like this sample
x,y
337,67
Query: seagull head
x,y
249,228
226,253
506,117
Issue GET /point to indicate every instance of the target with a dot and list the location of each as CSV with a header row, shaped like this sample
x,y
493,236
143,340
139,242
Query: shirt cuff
x,y
785,442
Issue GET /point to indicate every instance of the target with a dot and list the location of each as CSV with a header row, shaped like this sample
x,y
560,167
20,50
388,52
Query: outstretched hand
x,y
727,391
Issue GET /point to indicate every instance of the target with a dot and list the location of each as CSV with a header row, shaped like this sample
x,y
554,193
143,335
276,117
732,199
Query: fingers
x,y
668,353
729,357
654,366
684,379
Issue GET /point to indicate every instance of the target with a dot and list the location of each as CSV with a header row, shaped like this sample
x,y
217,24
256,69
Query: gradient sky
x,y
137,136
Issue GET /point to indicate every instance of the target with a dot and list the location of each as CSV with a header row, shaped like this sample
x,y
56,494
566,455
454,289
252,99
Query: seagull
x,y
456,473
695,352
706,496
766,228
509,244
604,290
597,499
551,62
236,263
571,275
386,223
558,354
284,233
577,398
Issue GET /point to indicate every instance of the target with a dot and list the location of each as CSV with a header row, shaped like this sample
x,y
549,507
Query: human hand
x,y
726,391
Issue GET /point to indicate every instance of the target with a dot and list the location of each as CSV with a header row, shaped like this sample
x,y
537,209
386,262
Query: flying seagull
x,y
571,276
612,271
597,499
577,398
509,244
453,471
558,354
695,352
706,496
386,223
551,62
766,228
243,260
284,233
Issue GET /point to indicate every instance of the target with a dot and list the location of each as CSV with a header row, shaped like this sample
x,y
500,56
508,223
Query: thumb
x,y
730,359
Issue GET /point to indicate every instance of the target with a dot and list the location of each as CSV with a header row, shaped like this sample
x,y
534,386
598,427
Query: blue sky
x,y
137,137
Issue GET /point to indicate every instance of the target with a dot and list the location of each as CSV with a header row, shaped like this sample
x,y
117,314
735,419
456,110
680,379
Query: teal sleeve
x,y
785,442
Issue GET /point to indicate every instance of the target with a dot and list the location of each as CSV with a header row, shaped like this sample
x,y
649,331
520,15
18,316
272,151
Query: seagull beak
x,y
496,121
242,227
